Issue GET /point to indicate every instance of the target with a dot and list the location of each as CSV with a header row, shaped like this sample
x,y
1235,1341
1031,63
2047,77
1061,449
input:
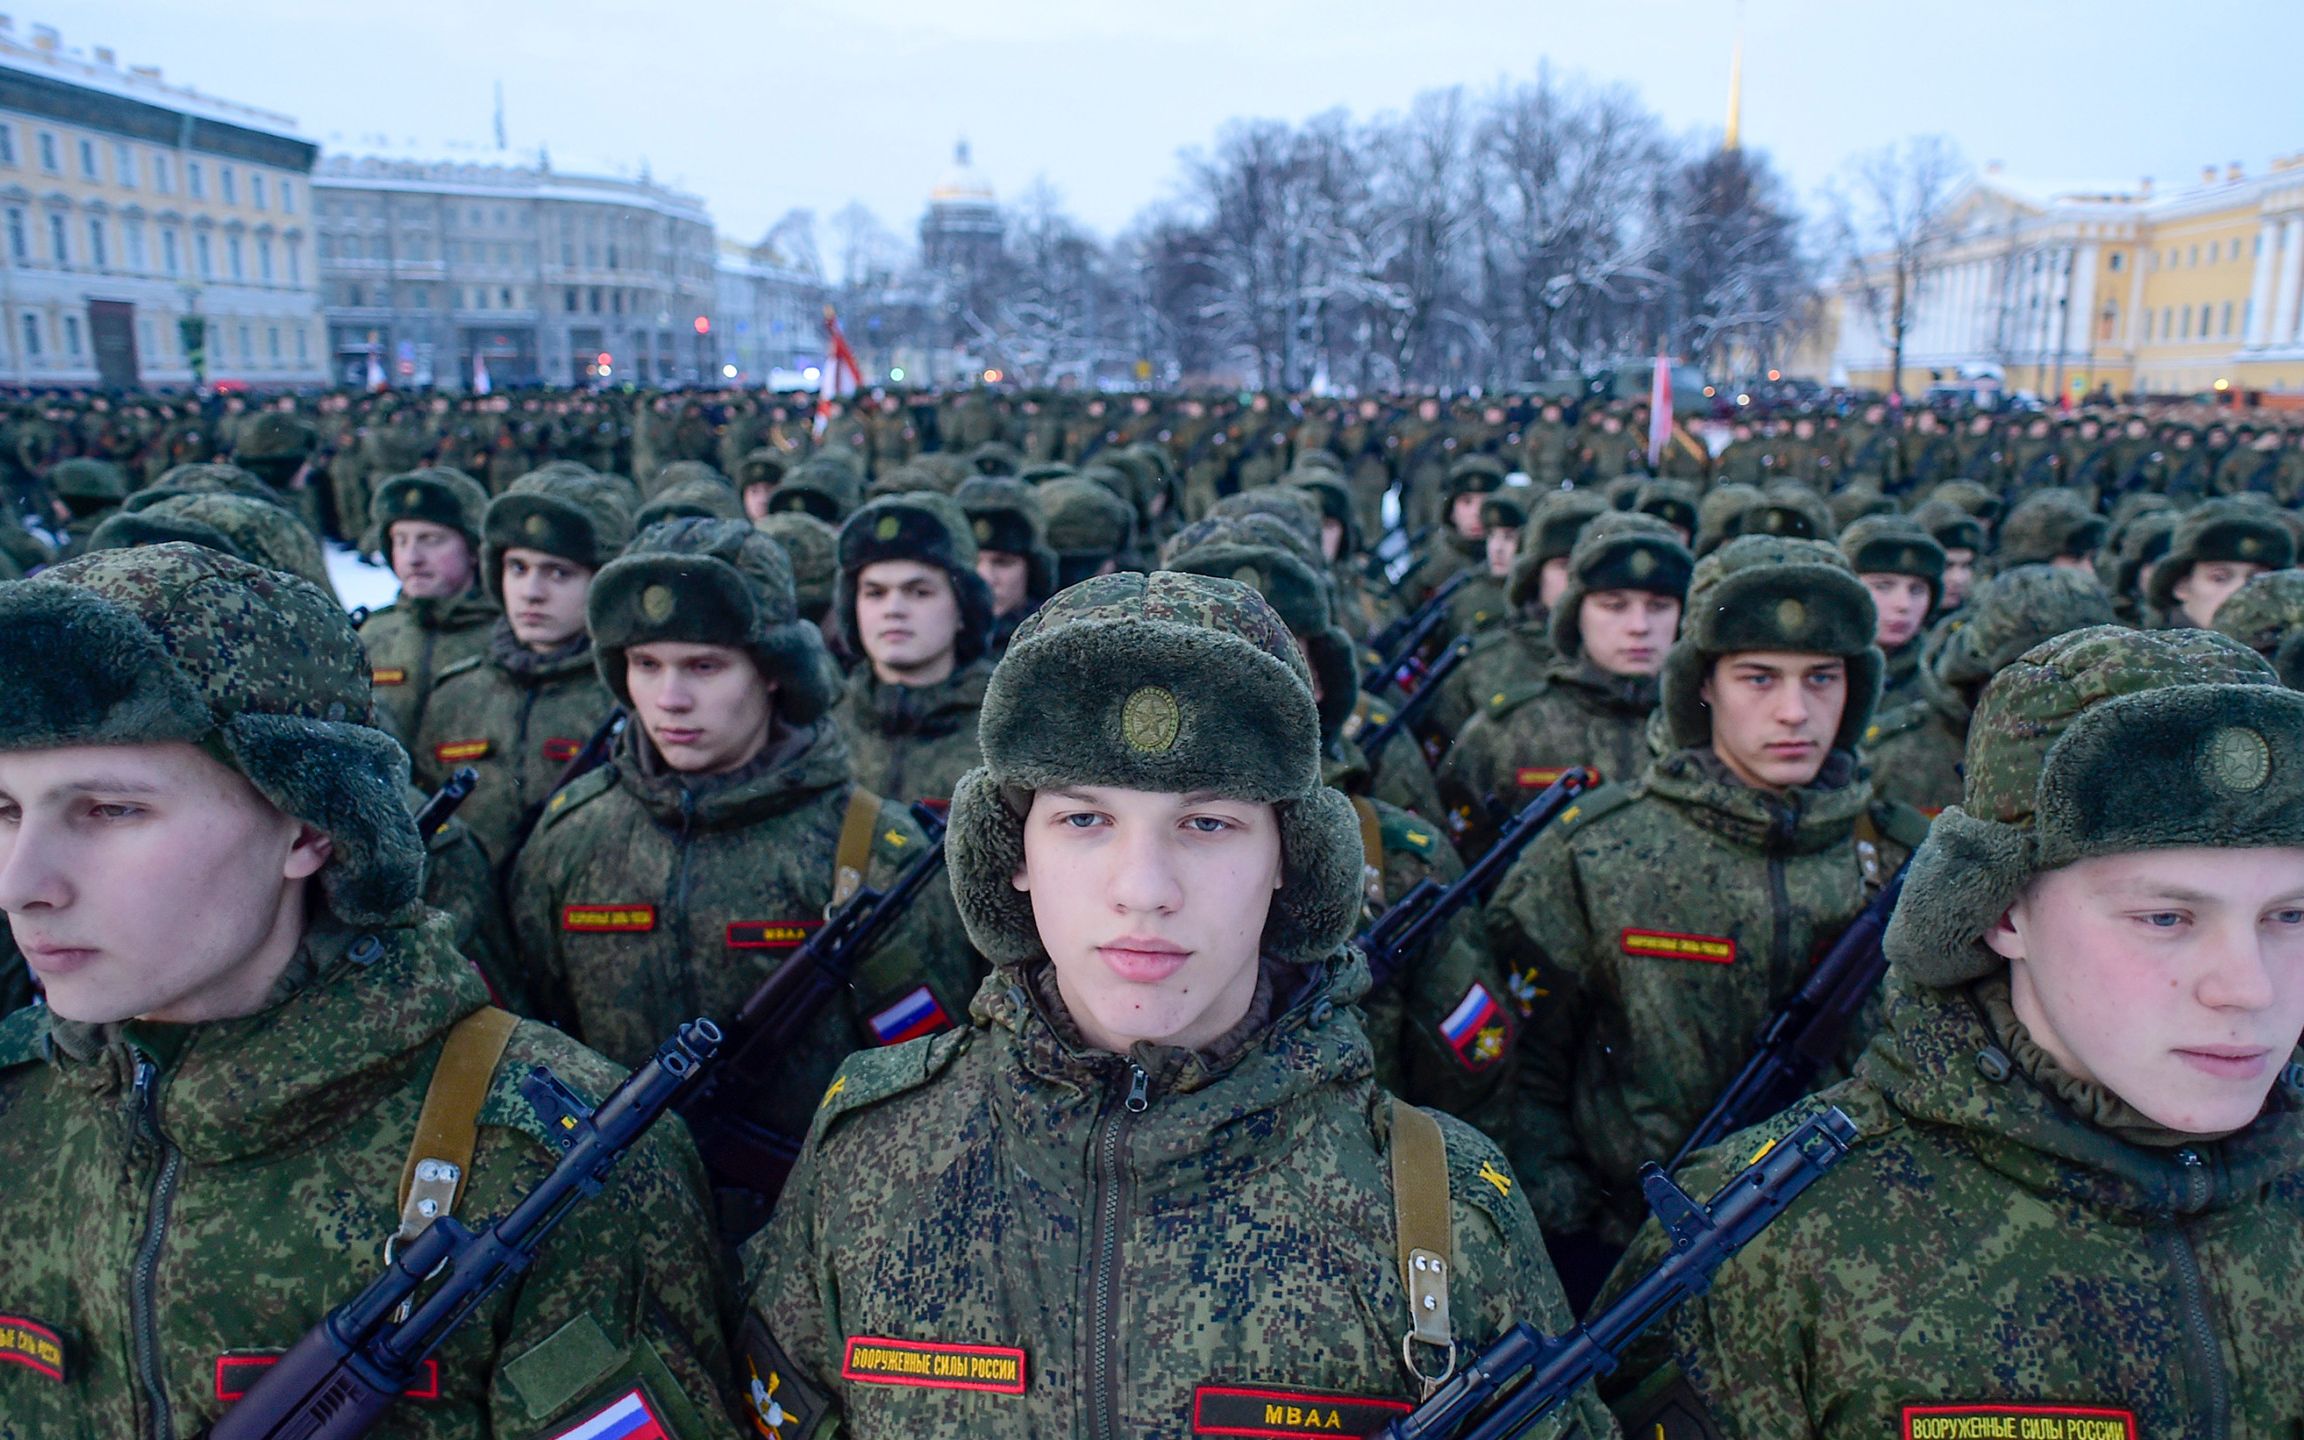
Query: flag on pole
x,y
1659,409
842,375
479,373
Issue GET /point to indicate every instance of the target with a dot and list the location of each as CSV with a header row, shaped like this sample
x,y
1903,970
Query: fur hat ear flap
x,y
348,781
983,850
1322,861
1963,879
1681,697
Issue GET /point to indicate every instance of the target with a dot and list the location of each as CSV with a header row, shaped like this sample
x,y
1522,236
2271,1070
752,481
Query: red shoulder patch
x,y
1674,945
1275,1413
2008,1420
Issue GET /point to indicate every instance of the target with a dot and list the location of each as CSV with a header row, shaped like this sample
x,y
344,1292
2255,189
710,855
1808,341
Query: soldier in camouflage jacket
x,y
1019,1230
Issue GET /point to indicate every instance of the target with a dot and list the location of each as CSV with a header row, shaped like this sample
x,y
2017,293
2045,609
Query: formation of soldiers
x,y
1118,1132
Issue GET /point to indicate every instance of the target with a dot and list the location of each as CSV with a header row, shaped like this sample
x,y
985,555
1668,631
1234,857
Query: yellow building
x,y
2068,289
137,217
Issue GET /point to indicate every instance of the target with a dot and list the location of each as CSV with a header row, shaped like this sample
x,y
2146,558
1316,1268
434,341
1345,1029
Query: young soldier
x,y
1459,543
1961,536
429,523
2267,616
519,713
1146,1193
2219,546
1589,708
1658,925
1903,567
674,879
1480,603
1511,654
1915,750
1012,553
912,604
209,1130
2078,1204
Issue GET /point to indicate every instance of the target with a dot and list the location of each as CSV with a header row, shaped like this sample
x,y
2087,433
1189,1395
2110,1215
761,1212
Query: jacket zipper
x,y
2199,1327
143,1306
1111,1211
423,679
519,755
1780,904
676,901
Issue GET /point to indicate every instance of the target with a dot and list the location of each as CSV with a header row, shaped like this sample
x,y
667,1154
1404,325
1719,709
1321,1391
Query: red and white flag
x,y
1659,409
480,384
842,375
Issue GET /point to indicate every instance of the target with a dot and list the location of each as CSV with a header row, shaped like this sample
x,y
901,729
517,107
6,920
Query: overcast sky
x,y
761,107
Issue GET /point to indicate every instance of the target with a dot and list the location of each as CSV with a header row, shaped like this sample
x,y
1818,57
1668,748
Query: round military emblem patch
x,y
1248,576
1150,720
1791,617
983,532
2236,758
656,603
888,528
536,527
2250,547
1641,565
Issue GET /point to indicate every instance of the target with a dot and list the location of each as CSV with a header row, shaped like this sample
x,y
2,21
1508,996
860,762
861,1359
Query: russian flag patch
x,y
627,1417
918,1013
1477,1029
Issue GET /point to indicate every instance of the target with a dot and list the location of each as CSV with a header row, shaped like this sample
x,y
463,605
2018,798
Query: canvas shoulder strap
x,y
1425,1237
448,1127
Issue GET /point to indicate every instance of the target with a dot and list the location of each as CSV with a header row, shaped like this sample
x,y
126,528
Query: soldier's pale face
x,y
149,881
1901,604
1151,907
544,597
909,620
1464,514
706,708
2173,978
433,562
2207,585
1008,576
1503,543
1959,574
1626,632
1552,582
1331,537
756,497
1775,713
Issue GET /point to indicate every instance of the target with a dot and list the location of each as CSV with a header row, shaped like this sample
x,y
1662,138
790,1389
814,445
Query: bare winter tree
x,y
1887,221
1738,285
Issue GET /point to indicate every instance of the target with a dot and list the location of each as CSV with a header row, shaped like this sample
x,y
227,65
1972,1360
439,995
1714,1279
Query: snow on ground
x,y
358,582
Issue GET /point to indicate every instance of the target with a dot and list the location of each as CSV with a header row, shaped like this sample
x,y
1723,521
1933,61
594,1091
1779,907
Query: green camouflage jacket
x,y
913,742
1994,1260
1914,750
15,979
1652,930
1573,715
1000,1232
518,718
1901,683
410,642
646,897
185,1201
1403,781
1503,657
461,884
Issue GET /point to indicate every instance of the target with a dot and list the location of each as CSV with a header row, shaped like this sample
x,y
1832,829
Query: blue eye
x,y
2164,919
1082,821
2288,917
1209,824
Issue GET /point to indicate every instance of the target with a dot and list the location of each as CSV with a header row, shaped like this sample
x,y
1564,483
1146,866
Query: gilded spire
x,y
1735,86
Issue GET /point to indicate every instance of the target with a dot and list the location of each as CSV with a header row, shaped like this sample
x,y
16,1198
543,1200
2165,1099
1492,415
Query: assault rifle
x,y
1401,930
1418,700
1703,1238
1804,1037
337,1382
440,807
1407,635
747,1161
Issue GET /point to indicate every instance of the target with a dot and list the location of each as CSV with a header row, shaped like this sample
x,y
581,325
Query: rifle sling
x,y
1371,852
1424,1236
854,852
448,1127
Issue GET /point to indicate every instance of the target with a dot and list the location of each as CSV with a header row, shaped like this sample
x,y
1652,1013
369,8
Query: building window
x,y
32,336
2226,326
196,179
272,343
232,256
287,197
264,259
48,160
169,261
72,336
228,180
256,191
303,349
2186,333
2117,261
2167,324
595,299
163,175
136,257
295,263
2193,259
56,246
7,144
204,256
571,299
353,296
99,254
19,245
503,297
2206,311
124,164
247,350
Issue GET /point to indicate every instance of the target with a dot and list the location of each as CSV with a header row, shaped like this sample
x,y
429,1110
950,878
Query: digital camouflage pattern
x,y
517,717
411,641
647,897
183,1196
1574,715
1650,932
913,742
460,883
1229,1226
1502,657
1405,777
1991,1247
